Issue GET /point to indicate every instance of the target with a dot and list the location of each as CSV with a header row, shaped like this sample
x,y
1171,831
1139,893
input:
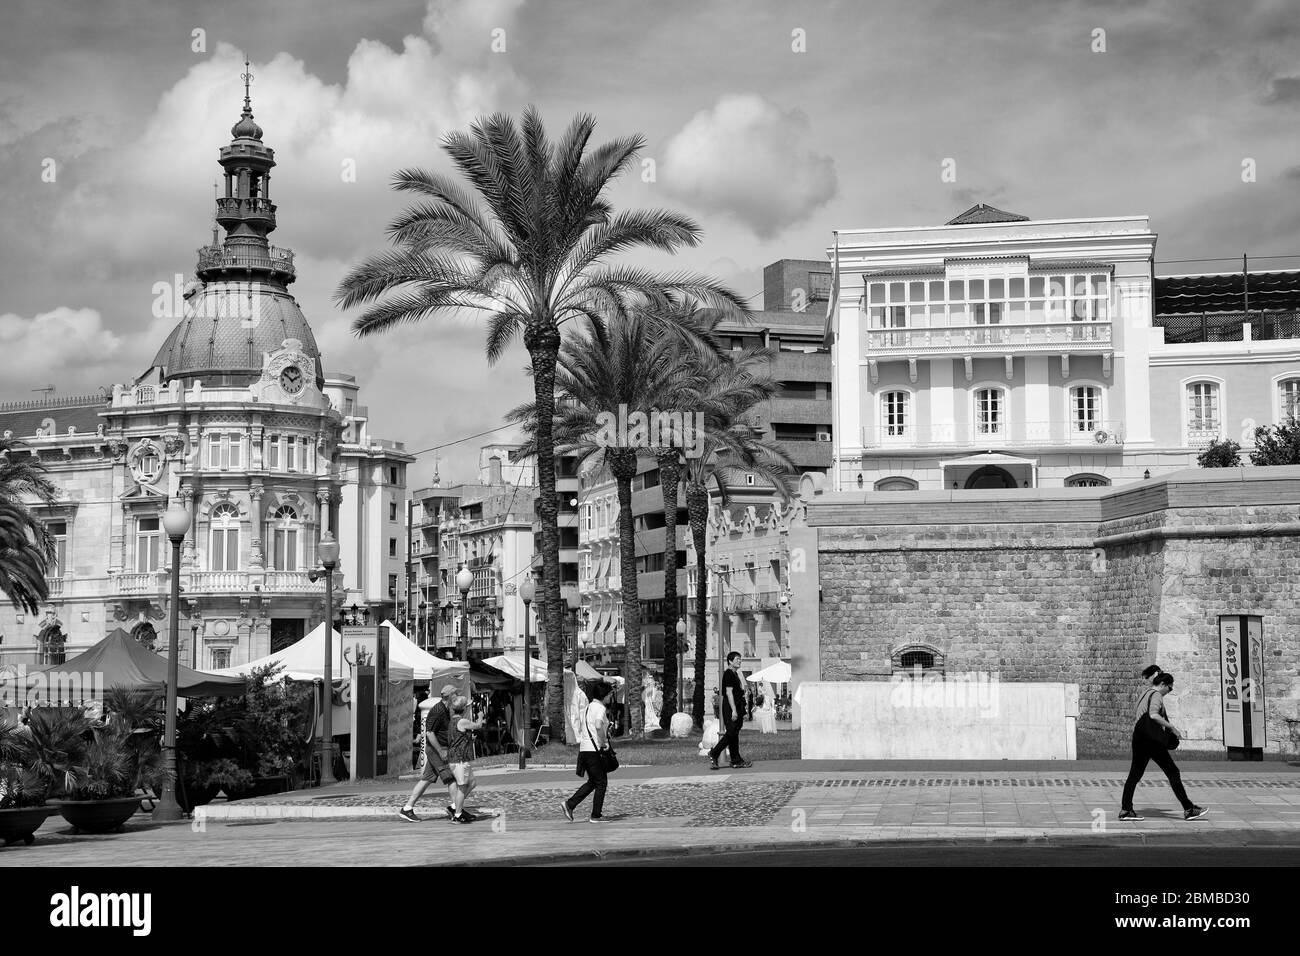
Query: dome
x,y
221,340
246,128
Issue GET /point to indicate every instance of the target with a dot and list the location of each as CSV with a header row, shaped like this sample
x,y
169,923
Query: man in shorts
x,y
436,724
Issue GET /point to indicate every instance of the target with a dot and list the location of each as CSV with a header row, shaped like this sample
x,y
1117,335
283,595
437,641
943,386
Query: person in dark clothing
x,y
1151,707
435,766
733,715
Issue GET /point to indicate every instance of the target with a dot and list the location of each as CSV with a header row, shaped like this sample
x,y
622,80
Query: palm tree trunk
x,y
669,476
697,510
623,467
543,346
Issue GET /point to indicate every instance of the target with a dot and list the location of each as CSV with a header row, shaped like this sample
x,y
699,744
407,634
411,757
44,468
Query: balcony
x,y
1006,338
1100,435
219,257
1200,435
219,582
1190,328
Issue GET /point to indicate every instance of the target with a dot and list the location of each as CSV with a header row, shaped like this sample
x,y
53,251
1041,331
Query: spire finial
x,y
247,77
216,200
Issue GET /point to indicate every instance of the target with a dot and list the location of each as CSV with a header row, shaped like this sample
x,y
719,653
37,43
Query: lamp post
x,y
464,581
424,626
176,522
328,553
526,591
681,661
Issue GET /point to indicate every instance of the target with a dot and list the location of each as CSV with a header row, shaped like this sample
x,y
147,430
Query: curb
x,y
841,843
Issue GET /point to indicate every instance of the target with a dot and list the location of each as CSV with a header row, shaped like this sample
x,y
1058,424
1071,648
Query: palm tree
x,y
26,547
528,246
729,446
670,477
604,374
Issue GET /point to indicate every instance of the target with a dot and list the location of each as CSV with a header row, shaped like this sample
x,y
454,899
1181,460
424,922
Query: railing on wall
x,y
1014,337
1098,433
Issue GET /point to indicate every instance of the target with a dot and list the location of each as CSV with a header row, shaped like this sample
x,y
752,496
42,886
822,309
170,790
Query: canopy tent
x,y
402,650
584,671
121,661
778,673
305,660
513,665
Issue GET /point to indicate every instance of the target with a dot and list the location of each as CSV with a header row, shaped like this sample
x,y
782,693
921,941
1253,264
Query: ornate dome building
x,y
237,420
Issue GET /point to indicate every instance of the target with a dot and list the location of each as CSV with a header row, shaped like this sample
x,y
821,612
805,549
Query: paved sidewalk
x,y
688,809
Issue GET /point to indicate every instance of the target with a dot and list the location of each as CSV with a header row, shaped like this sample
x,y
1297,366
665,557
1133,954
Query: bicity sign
x,y
1241,659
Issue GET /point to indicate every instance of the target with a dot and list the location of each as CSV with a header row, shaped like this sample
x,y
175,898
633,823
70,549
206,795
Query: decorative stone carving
x,y
174,443
116,448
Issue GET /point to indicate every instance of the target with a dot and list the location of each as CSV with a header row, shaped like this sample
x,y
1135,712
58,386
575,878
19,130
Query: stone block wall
x,y
1081,586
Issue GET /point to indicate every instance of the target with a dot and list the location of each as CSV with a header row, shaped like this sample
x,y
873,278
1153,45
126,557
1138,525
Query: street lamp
x,y
328,553
424,626
176,522
526,591
464,581
681,661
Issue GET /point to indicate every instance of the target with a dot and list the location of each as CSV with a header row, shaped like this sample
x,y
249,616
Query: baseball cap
x,y
448,689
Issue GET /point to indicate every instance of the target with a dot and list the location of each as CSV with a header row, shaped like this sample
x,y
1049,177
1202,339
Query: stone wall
x,y
1084,586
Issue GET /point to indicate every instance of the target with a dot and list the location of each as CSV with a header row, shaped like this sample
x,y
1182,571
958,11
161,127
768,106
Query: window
x,y
1085,408
392,547
896,483
913,659
1289,398
1087,481
392,476
223,553
305,449
392,585
220,658
149,467
392,511
273,453
284,552
148,540
225,452
894,413
59,531
989,415
586,517
290,452
1202,412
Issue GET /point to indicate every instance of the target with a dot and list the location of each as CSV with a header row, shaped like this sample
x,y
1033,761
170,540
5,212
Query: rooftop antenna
x,y
47,390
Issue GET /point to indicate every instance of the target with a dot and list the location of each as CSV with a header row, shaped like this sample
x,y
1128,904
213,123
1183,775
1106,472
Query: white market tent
x,y
513,664
778,673
304,659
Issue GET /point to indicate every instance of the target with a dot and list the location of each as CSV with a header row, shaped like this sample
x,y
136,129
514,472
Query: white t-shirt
x,y
593,721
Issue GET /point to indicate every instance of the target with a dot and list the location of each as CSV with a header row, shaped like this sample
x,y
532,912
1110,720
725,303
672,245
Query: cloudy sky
x,y
771,122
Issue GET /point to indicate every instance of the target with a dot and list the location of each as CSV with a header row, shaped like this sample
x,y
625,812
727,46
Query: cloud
x,y
728,160
1284,89
42,348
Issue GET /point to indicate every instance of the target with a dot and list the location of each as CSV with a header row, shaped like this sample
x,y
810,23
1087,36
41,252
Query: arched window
x,y
223,553
896,483
1204,419
1288,398
1087,481
895,409
284,552
990,411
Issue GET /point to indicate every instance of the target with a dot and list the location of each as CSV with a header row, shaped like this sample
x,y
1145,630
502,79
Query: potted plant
x,y
23,788
223,775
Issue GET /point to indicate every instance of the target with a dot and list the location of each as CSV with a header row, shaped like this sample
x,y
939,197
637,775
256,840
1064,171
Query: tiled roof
x,y
23,418
1269,291
980,213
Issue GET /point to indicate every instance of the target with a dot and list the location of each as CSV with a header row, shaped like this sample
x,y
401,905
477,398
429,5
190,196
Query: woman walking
x,y
1150,721
460,757
593,738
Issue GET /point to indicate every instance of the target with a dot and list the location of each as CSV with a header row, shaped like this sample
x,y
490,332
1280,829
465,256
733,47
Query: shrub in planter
x,y
224,775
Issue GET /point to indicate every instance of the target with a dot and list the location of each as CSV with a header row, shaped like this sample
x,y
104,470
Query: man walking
x,y
435,766
460,756
733,715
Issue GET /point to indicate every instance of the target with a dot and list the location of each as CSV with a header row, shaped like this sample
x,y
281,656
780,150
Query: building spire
x,y
247,77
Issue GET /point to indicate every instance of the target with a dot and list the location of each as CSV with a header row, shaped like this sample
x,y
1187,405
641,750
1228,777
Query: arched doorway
x,y
991,476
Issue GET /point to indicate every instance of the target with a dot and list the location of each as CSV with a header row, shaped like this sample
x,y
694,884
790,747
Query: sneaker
x,y
451,813
1130,815
713,764
566,810
1195,813
408,814
742,765
464,818
597,820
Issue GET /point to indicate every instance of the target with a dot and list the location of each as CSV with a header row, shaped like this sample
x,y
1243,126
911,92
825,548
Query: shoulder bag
x,y
608,758
1156,733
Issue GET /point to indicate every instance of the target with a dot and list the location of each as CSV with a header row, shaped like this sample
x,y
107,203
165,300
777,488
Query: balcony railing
x,y
218,582
54,586
1097,434
1004,337
219,257
1189,328
1203,434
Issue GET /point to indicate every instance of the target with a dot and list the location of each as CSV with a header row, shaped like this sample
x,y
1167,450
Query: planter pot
x,y
22,823
98,816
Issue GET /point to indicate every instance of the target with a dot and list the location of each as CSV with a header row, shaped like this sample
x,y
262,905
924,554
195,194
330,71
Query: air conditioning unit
x,y
1101,436
823,436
